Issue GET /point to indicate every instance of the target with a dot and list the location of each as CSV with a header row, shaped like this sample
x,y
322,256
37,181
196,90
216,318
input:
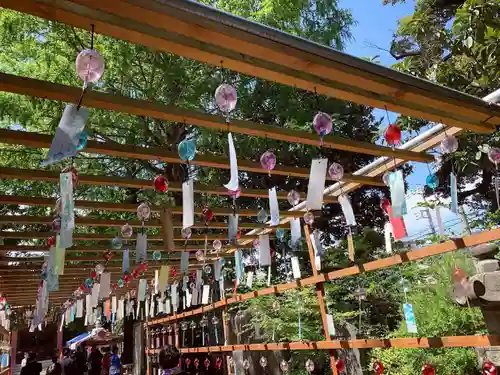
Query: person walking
x,y
67,363
33,367
95,358
106,362
24,360
54,368
80,363
116,366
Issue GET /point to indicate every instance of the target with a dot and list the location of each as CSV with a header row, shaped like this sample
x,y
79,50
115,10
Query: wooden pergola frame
x,y
204,34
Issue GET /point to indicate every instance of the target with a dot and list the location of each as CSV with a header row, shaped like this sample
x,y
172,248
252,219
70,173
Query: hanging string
x,y
85,83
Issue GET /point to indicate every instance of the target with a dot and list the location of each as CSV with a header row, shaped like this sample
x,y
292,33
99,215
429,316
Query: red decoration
x,y
188,362
160,183
206,362
143,267
135,273
428,370
82,287
127,278
196,363
238,235
51,241
340,365
207,214
115,286
378,367
384,205
218,363
173,272
393,134
107,255
489,368
74,174
93,274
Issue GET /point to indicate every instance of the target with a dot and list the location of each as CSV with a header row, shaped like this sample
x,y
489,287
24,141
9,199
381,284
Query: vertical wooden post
x,y
320,295
13,349
59,341
168,229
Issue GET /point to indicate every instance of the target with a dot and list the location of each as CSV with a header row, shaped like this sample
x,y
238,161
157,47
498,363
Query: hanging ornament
x,y
56,225
322,124
284,366
226,98
187,149
385,178
235,194
262,216
107,256
268,160
157,255
432,181
58,206
114,286
336,172
121,283
127,278
51,241
263,362
186,233
392,134
207,214
143,211
309,366
207,269
93,274
489,368
428,370
256,244
293,197
82,141
99,269
340,365
116,243
449,144
89,282
160,184
74,174
246,364
200,256
89,65
378,368
280,234
217,245
127,231
461,284
206,362
143,267
218,363
309,218
494,155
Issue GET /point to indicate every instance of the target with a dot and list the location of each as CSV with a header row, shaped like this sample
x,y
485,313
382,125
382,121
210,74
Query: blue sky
x,y
376,24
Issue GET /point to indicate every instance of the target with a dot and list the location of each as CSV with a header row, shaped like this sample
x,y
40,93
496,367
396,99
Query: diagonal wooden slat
x,y
201,33
40,175
96,249
47,90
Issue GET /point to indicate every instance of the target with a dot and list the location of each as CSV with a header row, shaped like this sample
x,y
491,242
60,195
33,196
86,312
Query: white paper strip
x,y
296,268
194,296
95,295
250,279
67,205
439,220
295,230
232,228
184,261
189,298
316,186
79,308
318,248
162,283
168,307
187,204
121,309
387,237
330,325
345,203
233,183
174,296
206,294
217,270
264,250
66,238
157,281
105,287
141,290
141,247
88,307
273,207
113,304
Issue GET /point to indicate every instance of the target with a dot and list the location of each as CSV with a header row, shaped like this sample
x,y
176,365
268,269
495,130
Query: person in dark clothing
x,y
168,361
54,368
80,363
95,359
67,363
33,367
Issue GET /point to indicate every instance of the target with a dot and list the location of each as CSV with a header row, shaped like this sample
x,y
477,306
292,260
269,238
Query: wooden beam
x,y
93,222
201,33
40,175
419,253
407,342
96,249
108,237
127,207
94,99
